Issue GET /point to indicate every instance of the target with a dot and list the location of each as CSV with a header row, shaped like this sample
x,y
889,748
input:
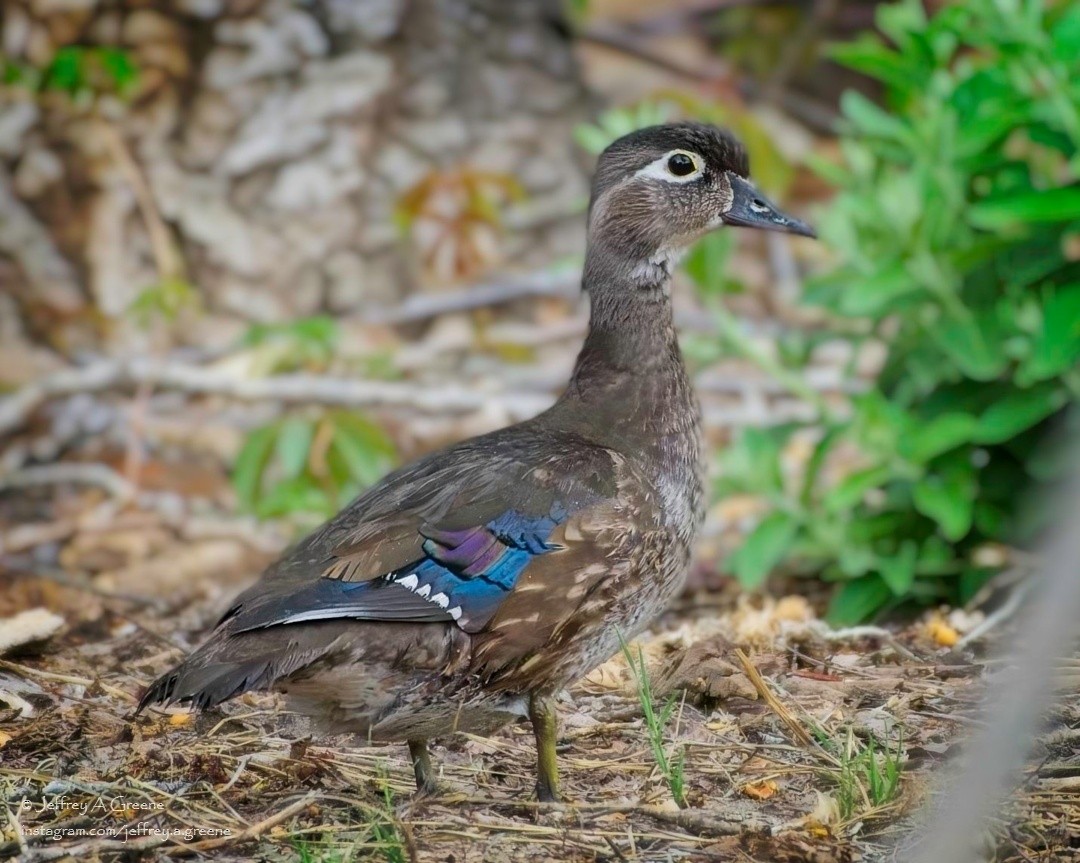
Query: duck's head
x,y
659,189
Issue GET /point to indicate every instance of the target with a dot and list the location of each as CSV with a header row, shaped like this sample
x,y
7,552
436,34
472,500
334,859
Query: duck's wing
x,y
443,541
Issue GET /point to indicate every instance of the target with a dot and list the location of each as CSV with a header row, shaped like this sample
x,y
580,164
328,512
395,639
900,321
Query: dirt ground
x,y
769,705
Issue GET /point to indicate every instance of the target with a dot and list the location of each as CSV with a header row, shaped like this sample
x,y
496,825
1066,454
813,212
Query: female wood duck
x,y
467,589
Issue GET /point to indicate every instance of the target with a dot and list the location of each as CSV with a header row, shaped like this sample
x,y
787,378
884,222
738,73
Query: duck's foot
x,y
545,724
426,784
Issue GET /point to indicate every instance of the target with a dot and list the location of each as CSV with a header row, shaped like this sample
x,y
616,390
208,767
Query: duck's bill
x,y
751,209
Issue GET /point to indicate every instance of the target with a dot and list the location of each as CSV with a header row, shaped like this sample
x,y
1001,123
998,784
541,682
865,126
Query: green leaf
x,y
850,491
875,293
250,464
1031,207
298,495
974,345
752,462
1066,34
898,571
1017,412
1057,347
868,55
764,548
869,119
294,445
939,435
708,260
948,501
858,600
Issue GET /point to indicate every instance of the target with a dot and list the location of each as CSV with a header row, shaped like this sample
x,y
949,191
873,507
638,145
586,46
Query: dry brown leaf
x,y
761,790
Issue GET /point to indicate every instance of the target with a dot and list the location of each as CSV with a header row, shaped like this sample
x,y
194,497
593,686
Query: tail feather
x,y
229,665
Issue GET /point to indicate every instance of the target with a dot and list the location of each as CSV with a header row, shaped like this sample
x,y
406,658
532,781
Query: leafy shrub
x,y
956,232
306,465
310,466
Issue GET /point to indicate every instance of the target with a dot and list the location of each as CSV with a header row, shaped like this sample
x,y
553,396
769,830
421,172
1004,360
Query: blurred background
x,y
255,253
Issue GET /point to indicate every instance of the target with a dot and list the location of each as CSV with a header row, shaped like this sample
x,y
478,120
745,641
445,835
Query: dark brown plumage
x,y
468,588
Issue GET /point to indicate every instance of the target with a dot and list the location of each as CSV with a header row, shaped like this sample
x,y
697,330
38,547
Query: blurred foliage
x,y
81,72
306,467
310,466
164,302
454,216
306,344
956,229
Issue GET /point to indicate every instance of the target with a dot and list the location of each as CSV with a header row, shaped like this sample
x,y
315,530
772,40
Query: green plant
x,y
865,777
956,227
310,465
384,828
163,302
307,343
670,762
81,72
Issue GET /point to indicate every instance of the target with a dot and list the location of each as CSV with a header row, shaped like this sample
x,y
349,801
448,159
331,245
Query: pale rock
x,y
26,242
538,173
37,170
374,20
168,56
400,166
16,119
306,291
197,203
319,233
206,133
252,302
377,235
426,97
438,136
346,274
16,31
26,627
106,28
274,47
290,122
146,25
113,271
50,7
200,8
325,177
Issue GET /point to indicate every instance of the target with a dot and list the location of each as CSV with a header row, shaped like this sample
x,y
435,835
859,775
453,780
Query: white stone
x,y
37,170
16,119
290,122
373,19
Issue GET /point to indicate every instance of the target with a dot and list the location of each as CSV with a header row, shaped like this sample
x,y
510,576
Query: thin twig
x,y
301,388
423,306
801,734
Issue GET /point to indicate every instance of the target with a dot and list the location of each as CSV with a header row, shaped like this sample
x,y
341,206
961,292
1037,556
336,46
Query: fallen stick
x,y
16,408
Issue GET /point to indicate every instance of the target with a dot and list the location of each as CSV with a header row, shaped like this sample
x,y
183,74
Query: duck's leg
x,y
422,769
545,724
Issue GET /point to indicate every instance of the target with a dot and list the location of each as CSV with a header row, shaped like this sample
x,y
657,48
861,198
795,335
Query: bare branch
x,y
297,388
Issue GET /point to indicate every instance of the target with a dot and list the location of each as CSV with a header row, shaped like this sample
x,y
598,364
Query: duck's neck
x,y
629,383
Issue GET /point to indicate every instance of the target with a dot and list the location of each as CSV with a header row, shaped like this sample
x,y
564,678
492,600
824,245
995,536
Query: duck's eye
x,y
681,165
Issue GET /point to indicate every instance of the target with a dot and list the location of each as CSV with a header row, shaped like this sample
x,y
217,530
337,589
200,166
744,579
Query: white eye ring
x,y
660,170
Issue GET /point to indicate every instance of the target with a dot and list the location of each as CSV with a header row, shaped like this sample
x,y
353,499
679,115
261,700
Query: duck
x,y
468,589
